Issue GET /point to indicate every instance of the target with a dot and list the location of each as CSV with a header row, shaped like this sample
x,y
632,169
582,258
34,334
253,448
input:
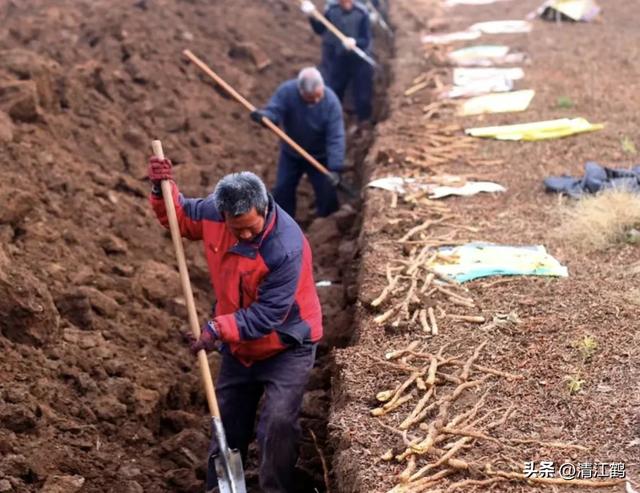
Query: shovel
x,y
340,35
266,122
380,19
356,49
228,463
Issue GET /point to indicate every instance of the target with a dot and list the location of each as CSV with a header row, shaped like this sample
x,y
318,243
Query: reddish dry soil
x,y
94,379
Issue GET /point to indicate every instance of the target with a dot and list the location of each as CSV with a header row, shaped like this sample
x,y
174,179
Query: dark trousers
x,y
349,68
290,170
328,54
282,380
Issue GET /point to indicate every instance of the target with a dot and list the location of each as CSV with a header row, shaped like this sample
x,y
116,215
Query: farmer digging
x,y
311,114
343,65
267,319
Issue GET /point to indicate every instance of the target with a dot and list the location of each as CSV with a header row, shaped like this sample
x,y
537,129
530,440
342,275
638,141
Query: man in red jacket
x,y
267,316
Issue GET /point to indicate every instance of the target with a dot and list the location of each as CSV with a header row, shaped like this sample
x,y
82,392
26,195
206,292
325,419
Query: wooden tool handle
x,y
219,80
267,123
321,18
280,133
174,227
341,36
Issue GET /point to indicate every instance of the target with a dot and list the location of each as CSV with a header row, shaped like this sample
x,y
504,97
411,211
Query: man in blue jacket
x,y
344,66
311,115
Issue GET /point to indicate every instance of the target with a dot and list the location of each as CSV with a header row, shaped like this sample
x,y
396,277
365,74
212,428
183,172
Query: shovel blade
x,y
358,51
230,473
347,189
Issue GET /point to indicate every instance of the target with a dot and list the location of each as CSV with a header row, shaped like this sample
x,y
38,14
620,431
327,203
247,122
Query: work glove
x,y
349,44
208,338
257,116
159,169
307,7
334,178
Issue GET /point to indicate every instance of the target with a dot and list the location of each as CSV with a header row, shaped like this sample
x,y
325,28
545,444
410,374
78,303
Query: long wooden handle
x,y
341,36
174,227
329,25
280,133
266,122
219,80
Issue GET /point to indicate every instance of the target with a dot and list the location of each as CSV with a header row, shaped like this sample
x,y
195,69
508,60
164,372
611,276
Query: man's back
x,y
353,23
309,125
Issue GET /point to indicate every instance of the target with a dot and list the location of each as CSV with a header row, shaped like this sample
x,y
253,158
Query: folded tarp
x,y
550,129
447,38
460,187
568,10
397,184
502,27
463,76
507,102
477,30
499,83
476,260
484,56
469,82
469,188
596,178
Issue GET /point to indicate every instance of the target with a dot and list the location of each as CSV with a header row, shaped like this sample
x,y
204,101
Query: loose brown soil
x,y
94,380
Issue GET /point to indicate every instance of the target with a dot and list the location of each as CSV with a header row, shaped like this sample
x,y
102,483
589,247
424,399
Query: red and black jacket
x,y
266,295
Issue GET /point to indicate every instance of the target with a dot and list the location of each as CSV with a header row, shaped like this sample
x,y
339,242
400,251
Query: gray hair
x,y
309,80
238,193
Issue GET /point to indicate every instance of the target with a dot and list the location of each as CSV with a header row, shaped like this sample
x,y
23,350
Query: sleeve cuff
x,y
228,328
211,328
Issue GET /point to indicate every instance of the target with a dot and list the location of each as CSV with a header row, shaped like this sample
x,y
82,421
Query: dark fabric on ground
x,y
596,178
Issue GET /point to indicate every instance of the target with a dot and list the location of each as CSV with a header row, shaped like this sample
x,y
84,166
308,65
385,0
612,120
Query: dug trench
x,y
97,392
336,243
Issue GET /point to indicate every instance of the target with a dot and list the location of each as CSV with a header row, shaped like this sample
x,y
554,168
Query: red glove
x,y
159,169
208,338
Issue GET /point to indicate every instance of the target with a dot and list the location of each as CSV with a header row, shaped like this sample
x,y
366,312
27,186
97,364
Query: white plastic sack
x,y
463,76
468,189
484,56
477,88
442,39
502,27
402,186
508,102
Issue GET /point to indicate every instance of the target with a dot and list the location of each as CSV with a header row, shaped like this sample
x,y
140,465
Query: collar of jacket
x,y
250,249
